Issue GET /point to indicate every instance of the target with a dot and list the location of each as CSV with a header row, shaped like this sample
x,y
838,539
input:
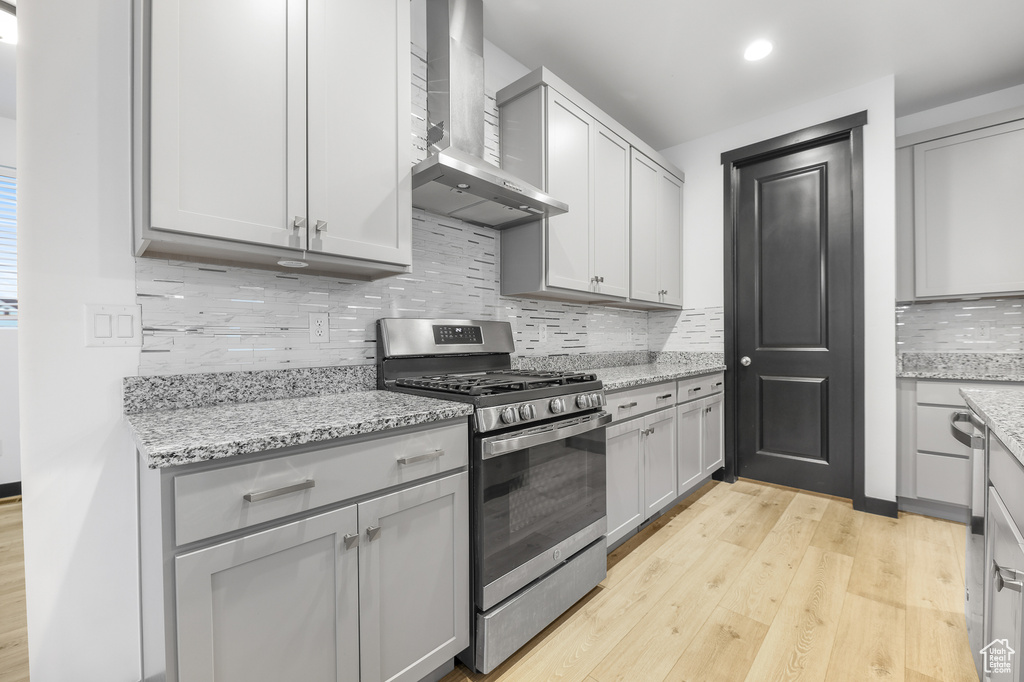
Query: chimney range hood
x,y
455,180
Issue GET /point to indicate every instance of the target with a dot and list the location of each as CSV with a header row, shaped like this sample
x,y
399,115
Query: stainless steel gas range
x,y
537,473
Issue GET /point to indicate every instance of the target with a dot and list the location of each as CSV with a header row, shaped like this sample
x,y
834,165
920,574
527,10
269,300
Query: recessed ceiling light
x,y
759,49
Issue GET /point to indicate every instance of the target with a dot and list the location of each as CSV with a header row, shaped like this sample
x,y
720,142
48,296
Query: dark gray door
x,y
794,317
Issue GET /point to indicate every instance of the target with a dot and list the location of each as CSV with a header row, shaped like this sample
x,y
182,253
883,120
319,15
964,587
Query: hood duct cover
x,y
455,180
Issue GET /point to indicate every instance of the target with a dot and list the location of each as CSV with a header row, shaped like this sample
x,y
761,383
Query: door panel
x,y
611,213
670,221
714,434
569,168
625,481
644,178
689,443
794,318
660,460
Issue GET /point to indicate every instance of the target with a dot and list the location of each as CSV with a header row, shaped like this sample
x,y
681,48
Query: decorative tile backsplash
x,y
212,318
984,326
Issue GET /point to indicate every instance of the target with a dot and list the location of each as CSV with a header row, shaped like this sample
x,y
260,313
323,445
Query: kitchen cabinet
x,y
553,137
251,147
1004,560
641,461
700,442
574,158
340,561
656,237
958,210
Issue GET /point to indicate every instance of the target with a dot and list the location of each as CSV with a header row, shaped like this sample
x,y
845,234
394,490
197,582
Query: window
x,y
8,250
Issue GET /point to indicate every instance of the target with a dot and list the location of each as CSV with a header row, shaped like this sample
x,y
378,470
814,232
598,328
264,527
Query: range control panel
x,y
451,335
491,418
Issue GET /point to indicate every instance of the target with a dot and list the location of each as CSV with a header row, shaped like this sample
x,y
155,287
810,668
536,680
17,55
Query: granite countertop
x,y
616,378
171,437
961,366
1003,412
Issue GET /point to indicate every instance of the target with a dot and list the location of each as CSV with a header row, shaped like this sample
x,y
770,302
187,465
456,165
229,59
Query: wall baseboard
x,y
874,505
10,489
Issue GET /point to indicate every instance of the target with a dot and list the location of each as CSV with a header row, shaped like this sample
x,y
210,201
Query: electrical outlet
x,y
984,330
629,335
543,337
319,328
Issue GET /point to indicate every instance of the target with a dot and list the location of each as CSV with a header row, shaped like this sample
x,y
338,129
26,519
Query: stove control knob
x,y
557,406
527,412
583,401
597,399
509,415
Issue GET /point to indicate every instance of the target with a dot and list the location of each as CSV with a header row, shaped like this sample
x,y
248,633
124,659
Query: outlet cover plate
x,y
319,328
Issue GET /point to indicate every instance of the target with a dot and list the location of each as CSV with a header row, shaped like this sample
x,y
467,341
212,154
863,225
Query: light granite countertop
x,y
1003,412
961,366
181,436
628,376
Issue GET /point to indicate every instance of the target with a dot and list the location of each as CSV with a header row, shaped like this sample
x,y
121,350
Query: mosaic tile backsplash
x,y
983,326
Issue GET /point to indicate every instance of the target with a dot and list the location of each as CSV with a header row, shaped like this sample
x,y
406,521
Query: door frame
x,y
846,128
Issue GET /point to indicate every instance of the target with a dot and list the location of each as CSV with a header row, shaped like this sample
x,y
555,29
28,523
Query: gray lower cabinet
x,y
282,604
659,460
700,439
1004,561
625,478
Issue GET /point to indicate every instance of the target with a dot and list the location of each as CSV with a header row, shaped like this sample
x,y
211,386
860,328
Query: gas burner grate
x,y
499,381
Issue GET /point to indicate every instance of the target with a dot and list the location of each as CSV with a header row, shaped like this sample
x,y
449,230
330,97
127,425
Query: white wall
x,y
989,103
78,460
703,219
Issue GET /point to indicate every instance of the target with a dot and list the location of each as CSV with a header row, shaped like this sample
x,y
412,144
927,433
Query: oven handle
x,y
500,445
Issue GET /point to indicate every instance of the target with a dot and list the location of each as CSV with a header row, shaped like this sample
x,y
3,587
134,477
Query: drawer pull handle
x,y
664,397
626,406
436,454
1008,578
694,389
267,494
718,383
351,540
372,533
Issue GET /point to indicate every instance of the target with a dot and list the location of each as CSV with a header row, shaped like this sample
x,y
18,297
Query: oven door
x,y
539,497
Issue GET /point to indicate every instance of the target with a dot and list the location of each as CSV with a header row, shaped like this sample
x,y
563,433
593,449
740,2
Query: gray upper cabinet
x,y
958,212
250,144
614,231
656,238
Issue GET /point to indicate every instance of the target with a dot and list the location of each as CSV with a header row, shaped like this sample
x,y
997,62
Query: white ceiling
x,y
673,70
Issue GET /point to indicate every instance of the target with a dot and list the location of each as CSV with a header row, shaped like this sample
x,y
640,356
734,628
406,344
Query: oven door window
x,y
530,500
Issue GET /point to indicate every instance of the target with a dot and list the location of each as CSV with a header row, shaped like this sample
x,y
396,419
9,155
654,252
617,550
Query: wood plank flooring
x,y
757,582
13,630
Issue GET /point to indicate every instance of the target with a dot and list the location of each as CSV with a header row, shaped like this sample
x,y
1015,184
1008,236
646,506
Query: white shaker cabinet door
x,y
228,120
414,580
277,605
611,213
670,239
569,168
660,460
713,454
625,477
359,147
644,178
690,443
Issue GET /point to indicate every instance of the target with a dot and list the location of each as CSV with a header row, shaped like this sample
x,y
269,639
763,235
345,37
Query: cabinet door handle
x,y
372,533
595,279
626,406
321,226
1008,578
695,389
267,494
436,454
299,222
664,397
351,540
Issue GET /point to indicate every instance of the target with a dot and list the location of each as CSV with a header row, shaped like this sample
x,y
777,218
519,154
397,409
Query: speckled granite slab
x,y
178,391
581,361
964,366
172,437
616,378
1003,411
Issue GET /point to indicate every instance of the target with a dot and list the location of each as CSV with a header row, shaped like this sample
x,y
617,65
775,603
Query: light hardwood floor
x,y
757,582
13,631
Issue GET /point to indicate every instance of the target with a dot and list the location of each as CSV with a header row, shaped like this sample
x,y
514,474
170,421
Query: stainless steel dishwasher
x,y
974,593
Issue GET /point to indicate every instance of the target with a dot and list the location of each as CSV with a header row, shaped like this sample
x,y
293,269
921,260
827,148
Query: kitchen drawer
x,y
944,479
699,387
636,401
1007,476
933,432
211,502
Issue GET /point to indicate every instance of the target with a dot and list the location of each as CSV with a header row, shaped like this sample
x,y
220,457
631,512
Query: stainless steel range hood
x,y
455,180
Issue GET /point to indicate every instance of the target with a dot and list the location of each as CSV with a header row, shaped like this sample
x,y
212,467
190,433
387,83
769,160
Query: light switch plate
x,y
113,325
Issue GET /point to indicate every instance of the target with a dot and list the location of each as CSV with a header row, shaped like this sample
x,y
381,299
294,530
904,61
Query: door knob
x,y
745,361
